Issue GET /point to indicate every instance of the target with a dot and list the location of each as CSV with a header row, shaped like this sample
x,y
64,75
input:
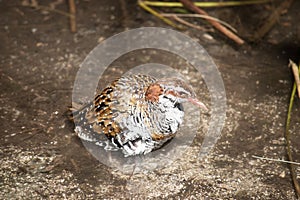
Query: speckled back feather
x,y
123,97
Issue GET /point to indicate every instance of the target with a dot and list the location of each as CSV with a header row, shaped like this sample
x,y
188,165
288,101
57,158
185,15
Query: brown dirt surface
x,y
40,156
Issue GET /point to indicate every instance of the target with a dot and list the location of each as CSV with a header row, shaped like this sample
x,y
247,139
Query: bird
x,y
137,113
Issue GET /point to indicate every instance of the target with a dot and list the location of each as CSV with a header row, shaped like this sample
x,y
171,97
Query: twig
x,y
276,160
55,3
30,136
191,6
125,15
288,143
72,17
187,23
21,132
296,75
199,16
153,12
272,19
206,4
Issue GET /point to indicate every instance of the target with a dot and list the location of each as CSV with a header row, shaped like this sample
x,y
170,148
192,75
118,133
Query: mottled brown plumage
x,y
137,113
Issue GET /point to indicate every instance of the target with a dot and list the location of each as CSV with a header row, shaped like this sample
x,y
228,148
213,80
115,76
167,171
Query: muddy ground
x,y
41,158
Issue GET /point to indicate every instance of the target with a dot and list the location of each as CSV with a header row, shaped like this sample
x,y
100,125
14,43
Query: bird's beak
x,y
198,103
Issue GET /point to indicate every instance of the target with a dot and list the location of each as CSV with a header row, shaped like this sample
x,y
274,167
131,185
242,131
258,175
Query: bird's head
x,y
174,89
